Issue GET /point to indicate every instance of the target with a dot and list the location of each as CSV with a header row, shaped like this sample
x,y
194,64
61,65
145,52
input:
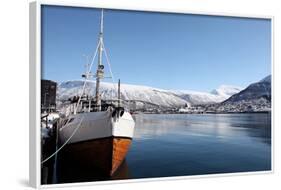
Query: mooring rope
x,y
73,133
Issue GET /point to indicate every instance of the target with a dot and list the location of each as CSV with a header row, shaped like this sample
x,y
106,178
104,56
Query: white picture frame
x,y
35,77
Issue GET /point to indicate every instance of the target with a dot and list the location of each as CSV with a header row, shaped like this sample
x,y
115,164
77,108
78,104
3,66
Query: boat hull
x,y
104,155
100,142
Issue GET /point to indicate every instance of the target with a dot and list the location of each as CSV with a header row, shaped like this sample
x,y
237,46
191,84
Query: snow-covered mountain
x,y
168,98
256,97
215,96
261,89
266,79
128,92
226,91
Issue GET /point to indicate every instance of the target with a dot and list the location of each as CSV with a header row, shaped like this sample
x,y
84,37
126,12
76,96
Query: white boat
x,y
97,134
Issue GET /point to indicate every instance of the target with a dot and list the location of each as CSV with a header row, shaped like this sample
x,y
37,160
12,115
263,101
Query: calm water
x,y
184,144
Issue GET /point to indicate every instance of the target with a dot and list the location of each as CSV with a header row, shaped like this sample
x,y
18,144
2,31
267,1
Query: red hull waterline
x,y
105,154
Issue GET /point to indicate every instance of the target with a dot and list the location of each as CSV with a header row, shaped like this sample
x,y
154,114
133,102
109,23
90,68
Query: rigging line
x,y
109,65
92,62
73,133
89,69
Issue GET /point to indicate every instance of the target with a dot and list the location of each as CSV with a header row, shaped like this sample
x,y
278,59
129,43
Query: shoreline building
x,y
48,95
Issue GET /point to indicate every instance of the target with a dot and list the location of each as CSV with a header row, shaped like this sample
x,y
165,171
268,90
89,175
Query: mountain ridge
x,y
226,98
159,96
255,97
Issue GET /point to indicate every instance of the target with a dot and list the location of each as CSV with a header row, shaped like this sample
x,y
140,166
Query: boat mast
x,y
100,68
119,94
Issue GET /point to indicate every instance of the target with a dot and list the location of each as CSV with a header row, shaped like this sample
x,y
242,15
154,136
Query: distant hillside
x,y
215,96
128,92
166,98
256,97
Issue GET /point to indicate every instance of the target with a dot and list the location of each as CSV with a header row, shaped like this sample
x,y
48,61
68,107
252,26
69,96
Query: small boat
x,y
97,134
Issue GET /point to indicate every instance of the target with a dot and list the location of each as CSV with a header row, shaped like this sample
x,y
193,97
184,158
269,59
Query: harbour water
x,y
190,144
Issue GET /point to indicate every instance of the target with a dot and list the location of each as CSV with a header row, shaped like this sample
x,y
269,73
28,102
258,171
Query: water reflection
x,y
70,172
215,125
183,144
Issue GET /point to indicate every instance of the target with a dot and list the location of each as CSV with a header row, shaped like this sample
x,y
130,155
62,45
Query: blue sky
x,y
170,51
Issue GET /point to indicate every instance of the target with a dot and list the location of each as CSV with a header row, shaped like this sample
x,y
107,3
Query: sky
x,y
162,50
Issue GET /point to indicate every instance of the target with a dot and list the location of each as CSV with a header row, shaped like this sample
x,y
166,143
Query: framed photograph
x,y
136,95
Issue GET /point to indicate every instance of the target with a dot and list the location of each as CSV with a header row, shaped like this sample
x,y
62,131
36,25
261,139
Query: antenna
x,y
101,22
